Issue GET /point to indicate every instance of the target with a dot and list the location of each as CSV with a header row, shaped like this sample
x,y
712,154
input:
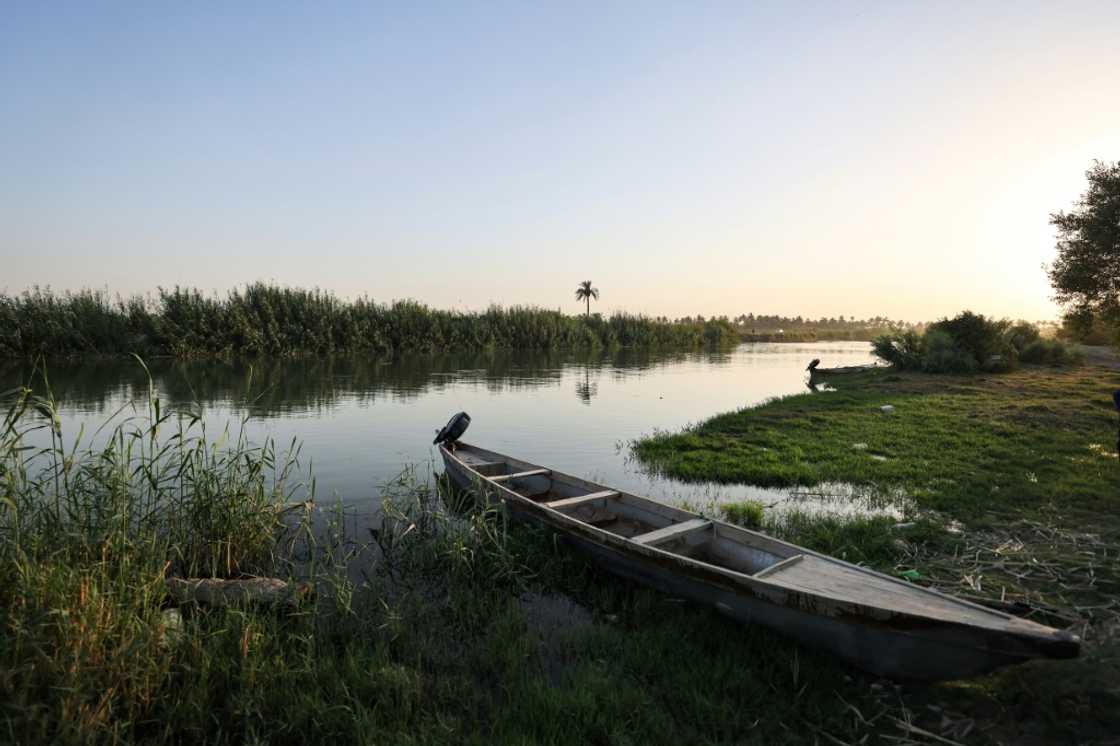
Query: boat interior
x,y
636,518
715,543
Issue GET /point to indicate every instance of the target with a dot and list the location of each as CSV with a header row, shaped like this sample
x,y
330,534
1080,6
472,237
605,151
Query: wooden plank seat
x,y
669,533
575,502
779,566
520,474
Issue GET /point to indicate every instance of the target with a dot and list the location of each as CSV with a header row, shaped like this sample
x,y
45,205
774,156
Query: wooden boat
x,y
881,624
818,373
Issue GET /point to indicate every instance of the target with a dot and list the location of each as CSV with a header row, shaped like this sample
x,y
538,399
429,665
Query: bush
x,y
1090,328
978,336
1050,352
903,350
944,355
1022,334
968,343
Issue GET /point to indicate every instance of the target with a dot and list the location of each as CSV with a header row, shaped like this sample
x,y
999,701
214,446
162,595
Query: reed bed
x,y
87,536
426,629
262,319
440,622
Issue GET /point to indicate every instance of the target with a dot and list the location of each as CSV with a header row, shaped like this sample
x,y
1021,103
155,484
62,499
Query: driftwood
x,y
216,592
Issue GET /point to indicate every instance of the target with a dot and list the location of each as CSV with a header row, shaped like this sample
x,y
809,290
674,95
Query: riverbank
x,y
437,627
1016,473
965,445
455,627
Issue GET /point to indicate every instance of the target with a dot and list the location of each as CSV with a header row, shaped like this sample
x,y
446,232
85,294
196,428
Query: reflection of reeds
x,y
198,506
263,319
303,383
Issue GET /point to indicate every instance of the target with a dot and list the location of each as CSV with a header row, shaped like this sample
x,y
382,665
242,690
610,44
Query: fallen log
x,y
219,593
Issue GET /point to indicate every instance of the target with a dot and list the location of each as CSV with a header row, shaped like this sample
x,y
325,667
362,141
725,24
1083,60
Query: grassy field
x,y
451,626
964,445
1015,485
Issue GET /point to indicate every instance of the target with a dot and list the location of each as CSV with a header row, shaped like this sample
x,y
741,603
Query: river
x,y
361,421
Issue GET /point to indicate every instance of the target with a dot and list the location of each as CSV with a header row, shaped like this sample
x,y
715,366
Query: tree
x,y
1086,274
585,293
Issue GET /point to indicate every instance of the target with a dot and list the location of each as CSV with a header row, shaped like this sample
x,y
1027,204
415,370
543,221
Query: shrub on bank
x,y
902,350
1090,328
984,340
1049,352
970,343
943,354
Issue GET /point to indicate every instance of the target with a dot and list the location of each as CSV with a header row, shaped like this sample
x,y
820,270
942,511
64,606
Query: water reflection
x,y
361,420
264,388
586,389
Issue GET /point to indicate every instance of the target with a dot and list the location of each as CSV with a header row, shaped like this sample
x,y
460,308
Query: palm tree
x,y
585,293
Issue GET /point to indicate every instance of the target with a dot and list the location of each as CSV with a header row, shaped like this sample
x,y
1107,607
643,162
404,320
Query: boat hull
x,y
821,373
894,648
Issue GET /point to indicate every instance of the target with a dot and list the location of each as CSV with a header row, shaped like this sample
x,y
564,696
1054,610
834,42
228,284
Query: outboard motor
x,y
453,430
813,365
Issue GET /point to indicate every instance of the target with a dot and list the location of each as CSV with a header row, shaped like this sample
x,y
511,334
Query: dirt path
x,y
1101,355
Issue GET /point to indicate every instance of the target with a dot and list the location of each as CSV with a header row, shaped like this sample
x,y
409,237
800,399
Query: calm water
x,y
361,421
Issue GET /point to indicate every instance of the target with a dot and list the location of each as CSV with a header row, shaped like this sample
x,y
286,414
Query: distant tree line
x,y
1090,328
263,319
763,328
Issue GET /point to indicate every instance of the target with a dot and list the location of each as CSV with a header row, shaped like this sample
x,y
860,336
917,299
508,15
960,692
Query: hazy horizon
x,y
860,159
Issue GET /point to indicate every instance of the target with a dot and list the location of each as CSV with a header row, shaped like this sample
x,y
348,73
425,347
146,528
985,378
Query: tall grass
x,y
87,535
431,630
262,319
418,635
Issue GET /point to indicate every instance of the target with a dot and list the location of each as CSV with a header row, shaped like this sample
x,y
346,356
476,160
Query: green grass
x,y
433,644
419,637
431,629
959,445
746,513
1025,461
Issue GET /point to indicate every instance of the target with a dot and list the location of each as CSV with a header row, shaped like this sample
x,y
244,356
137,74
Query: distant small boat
x,y
815,373
881,624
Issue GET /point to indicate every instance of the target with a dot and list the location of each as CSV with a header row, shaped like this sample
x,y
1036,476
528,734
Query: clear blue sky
x,y
866,158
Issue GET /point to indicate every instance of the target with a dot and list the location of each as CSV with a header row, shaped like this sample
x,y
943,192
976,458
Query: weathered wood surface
x,y
844,370
669,533
240,592
571,502
521,475
880,623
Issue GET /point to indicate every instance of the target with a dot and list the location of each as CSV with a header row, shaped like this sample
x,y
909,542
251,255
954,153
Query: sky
x,y
896,159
